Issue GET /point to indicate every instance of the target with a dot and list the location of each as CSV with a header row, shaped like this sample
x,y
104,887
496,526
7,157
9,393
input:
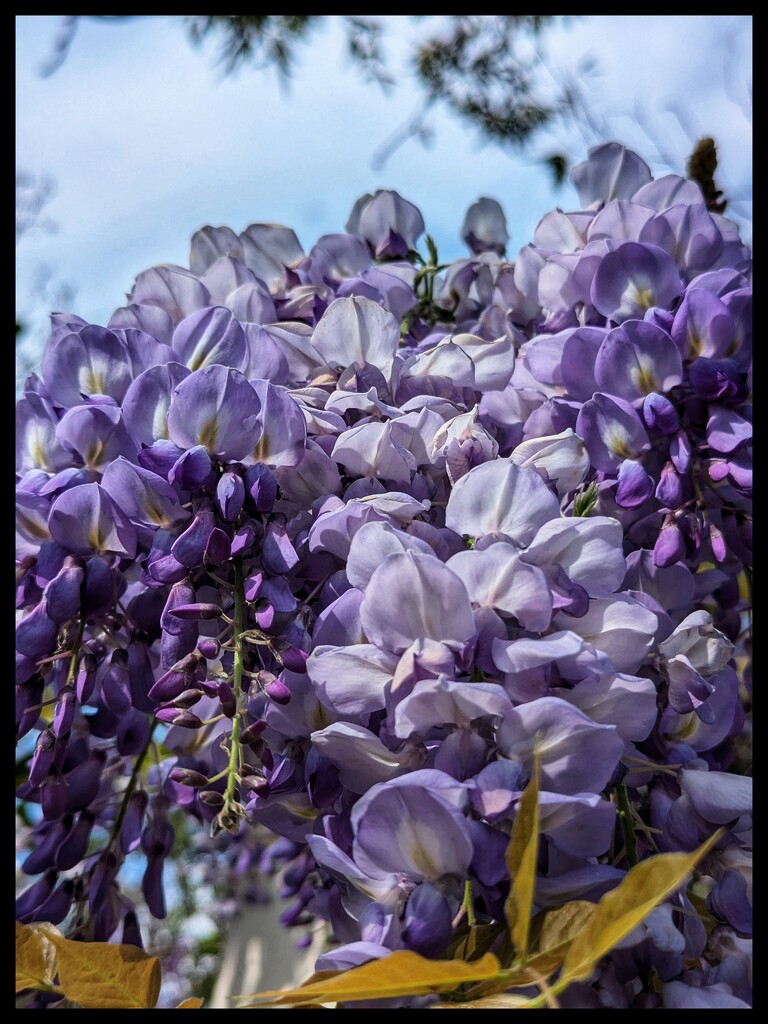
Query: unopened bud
x,y
211,798
227,699
188,777
251,734
278,692
184,719
209,648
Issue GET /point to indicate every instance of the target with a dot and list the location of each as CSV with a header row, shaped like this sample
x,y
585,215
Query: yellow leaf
x,y
557,927
520,975
35,959
522,853
502,1002
193,1003
402,973
623,908
100,975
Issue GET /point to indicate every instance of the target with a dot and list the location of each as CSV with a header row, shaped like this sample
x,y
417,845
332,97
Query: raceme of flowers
x,y
330,542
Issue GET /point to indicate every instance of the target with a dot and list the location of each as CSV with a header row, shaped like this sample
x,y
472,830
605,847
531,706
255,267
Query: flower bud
x,y
251,733
230,496
227,700
211,798
209,648
188,698
188,777
278,692
669,547
64,711
659,414
184,719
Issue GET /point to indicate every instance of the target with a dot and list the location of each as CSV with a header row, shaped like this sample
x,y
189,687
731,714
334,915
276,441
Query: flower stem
x,y
237,679
625,814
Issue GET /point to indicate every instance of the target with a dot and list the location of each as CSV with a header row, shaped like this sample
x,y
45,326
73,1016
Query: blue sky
x,y
147,140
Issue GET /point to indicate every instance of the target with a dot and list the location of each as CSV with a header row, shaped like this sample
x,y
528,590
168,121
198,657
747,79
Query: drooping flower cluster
x,y
331,542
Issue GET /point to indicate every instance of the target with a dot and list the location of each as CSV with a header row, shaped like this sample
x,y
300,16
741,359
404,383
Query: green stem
x,y
625,814
468,904
130,788
75,651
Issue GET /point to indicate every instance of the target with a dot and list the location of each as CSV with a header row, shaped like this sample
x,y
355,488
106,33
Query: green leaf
x,y
35,959
100,975
623,908
522,854
400,974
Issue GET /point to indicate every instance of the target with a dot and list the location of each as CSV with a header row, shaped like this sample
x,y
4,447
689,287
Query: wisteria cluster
x,y
331,542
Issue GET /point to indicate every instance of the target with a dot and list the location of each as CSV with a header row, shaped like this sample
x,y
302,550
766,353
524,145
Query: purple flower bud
x,y
209,648
188,777
261,486
116,685
62,594
265,616
84,781
141,676
177,678
294,659
427,921
713,379
278,692
36,894
175,647
669,490
36,633
230,496
659,414
218,548
57,906
131,931
133,733
99,587
28,698
64,711
152,886
669,547
43,856
211,798
86,678
251,733
102,880
160,457
188,698
680,452
243,539
184,719
75,844
635,485
227,699
192,469
257,784
190,547
42,758
717,543
193,612
53,795
130,831
252,586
